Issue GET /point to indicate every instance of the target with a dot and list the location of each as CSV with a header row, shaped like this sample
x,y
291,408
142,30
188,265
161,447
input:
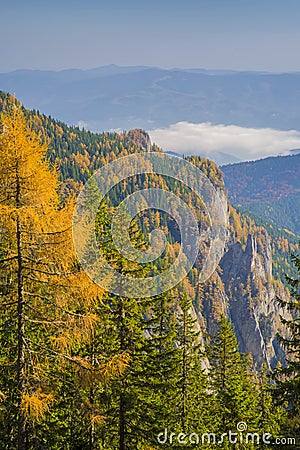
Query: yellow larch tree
x,y
46,302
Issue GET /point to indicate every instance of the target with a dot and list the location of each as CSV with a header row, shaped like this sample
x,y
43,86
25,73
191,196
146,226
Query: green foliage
x,y
268,188
281,213
265,179
271,416
233,394
288,377
112,372
193,404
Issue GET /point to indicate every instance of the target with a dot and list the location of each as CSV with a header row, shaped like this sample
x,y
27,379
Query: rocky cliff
x,y
245,291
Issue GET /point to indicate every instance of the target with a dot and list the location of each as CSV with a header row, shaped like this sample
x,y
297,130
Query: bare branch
x,y
8,259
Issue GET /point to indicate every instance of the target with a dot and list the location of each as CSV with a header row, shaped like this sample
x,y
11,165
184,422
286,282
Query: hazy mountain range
x,y
227,116
150,97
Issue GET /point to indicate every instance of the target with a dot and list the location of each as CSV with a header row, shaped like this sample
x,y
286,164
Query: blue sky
x,y
224,34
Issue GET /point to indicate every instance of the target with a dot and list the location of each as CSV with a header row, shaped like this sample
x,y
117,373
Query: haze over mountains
x,y
225,116
113,97
149,97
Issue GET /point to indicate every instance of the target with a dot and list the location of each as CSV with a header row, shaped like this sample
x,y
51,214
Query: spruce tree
x,y
161,365
288,377
271,416
233,393
193,408
121,336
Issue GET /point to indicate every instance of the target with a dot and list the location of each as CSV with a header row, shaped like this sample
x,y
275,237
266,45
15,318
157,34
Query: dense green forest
x,y
269,188
282,213
78,153
277,176
81,368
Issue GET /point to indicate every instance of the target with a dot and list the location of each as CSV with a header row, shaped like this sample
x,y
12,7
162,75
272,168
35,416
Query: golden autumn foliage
x,y
48,300
79,367
36,406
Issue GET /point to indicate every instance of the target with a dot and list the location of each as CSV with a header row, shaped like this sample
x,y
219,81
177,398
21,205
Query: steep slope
x,y
244,286
269,187
245,289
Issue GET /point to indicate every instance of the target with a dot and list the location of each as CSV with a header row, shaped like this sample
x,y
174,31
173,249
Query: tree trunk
x,y
92,398
20,340
122,422
122,408
21,323
92,425
184,374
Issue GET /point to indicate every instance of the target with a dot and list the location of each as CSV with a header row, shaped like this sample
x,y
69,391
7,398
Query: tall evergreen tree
x,y
160,371
193,408
123,334
271,416
288,377
233,392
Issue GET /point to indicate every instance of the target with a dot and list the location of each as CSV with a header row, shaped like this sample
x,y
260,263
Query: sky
x,y
256,35
215,34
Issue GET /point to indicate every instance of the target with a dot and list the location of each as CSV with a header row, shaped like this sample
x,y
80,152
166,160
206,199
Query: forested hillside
x,y
78,153
82,368
269,187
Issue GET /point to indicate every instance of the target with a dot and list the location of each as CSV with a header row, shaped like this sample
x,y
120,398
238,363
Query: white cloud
x,y
81,124
213,141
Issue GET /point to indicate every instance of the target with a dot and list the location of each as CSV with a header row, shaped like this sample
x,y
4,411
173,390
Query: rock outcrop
x,y
140,138
244,291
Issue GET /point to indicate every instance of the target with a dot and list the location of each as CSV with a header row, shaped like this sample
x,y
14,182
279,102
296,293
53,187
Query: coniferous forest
x,y
82,368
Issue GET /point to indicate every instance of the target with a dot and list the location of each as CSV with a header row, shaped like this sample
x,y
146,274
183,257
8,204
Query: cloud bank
x,y
225,143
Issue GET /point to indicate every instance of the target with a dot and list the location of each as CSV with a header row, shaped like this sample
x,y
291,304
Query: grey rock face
x,y
249,289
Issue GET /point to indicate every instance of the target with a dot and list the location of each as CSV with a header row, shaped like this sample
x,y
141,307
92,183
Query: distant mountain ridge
x,y
281,173
269,187
114,97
